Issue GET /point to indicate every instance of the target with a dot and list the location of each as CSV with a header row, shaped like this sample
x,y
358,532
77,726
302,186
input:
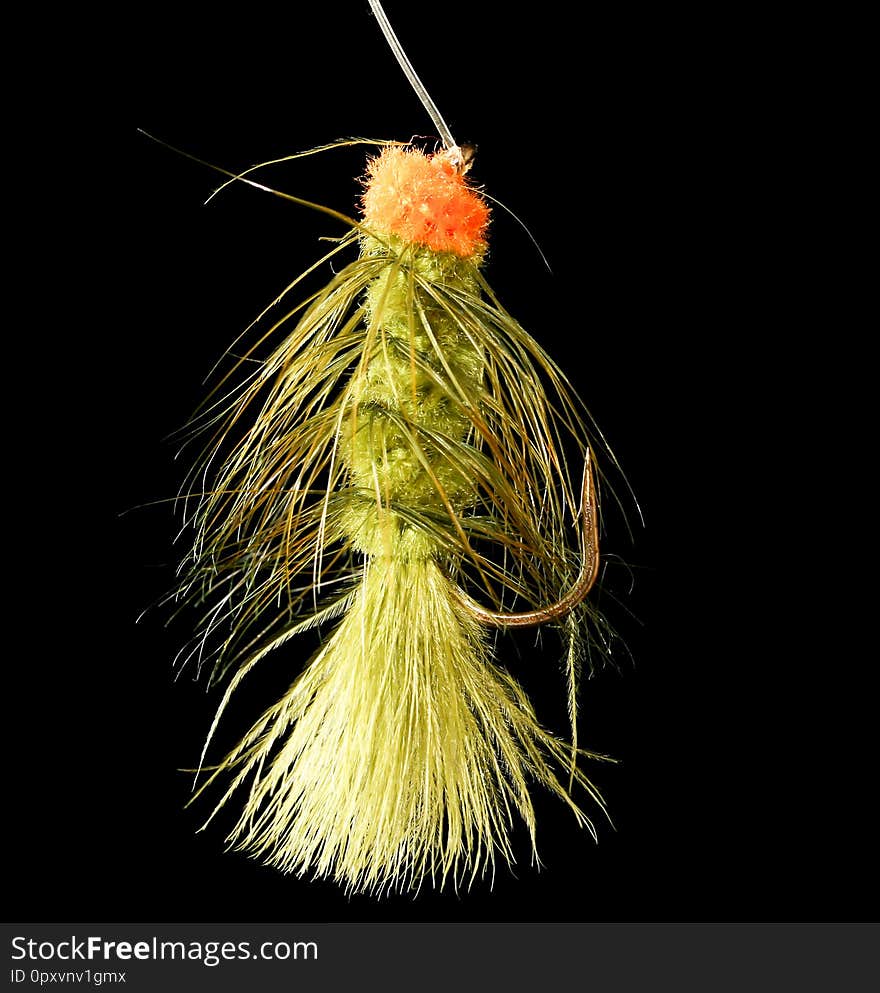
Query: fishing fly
x,y
408,473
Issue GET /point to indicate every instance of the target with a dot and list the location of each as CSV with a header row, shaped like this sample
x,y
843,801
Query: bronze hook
x,y
583,584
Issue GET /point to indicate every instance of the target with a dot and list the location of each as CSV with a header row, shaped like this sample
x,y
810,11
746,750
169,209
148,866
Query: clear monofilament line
x,y
412,76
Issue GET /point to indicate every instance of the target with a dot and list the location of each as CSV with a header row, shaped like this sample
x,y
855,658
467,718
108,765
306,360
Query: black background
x,y
633,162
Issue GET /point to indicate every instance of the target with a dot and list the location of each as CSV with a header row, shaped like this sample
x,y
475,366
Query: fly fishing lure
x,y
398,465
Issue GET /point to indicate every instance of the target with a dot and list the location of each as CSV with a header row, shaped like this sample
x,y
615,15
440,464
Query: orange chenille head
x,y
424,199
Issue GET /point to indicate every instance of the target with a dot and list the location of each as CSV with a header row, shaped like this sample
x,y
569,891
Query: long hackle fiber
x,y
403,444
401,753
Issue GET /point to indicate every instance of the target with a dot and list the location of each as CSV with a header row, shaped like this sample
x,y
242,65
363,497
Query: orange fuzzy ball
x,y
424,199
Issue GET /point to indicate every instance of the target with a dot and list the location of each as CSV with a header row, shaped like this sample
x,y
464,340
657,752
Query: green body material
x,y
411,399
